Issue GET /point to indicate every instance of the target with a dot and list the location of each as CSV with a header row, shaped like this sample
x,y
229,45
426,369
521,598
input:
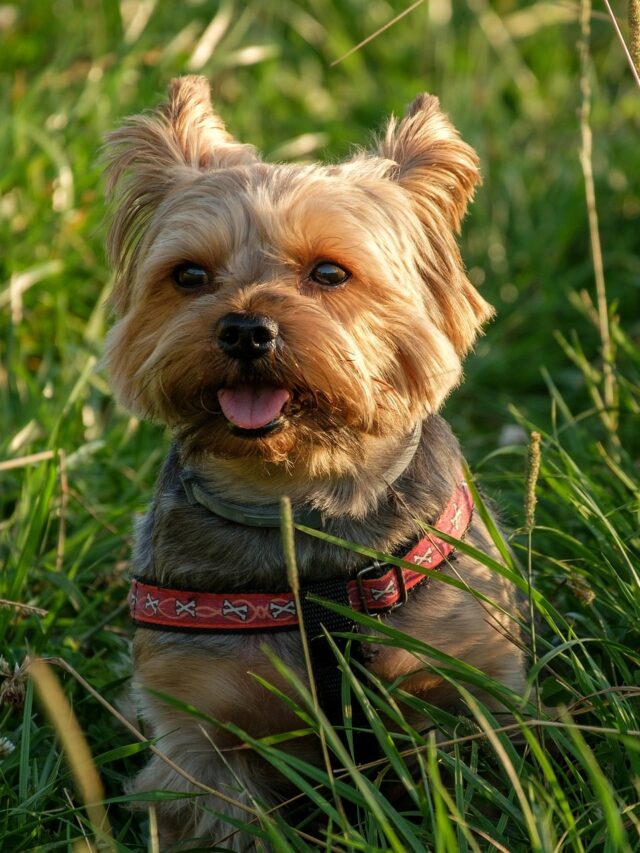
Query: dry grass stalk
x,y
531,480
632,60
31,459
634,32
530,500
377,32
19,605
609,415
76,749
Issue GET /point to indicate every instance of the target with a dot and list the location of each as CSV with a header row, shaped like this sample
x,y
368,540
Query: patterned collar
x,y
378,588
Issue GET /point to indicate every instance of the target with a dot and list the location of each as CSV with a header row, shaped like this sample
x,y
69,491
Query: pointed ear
x,y
439,172
433,163
151,154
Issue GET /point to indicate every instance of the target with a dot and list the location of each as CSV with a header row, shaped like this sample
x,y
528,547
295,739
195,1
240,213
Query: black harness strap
x,y
327,673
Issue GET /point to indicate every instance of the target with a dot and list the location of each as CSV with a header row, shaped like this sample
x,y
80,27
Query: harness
x,y
377,589
372,590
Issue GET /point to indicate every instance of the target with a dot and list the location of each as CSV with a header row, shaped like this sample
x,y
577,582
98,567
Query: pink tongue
x,y
252,408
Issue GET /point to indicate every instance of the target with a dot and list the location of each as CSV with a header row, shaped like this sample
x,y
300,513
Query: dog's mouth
x,y
251,411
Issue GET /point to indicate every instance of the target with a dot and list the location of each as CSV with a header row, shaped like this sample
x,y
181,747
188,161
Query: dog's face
x,y
286,312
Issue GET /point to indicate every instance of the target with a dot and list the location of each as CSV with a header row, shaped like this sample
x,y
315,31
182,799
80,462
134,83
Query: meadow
x,y
529,88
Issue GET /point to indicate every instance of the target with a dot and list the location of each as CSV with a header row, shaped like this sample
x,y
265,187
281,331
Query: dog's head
x,y
279,311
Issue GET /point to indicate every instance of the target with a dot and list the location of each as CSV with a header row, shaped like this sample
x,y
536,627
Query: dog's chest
x,y
224,678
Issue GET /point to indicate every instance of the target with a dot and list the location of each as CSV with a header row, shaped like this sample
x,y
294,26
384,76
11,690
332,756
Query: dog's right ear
x,y
151,154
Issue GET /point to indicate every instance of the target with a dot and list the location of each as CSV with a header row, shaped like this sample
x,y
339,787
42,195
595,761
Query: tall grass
x,y
74,469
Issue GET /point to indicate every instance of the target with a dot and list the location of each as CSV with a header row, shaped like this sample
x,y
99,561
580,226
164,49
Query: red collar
x,y
168,608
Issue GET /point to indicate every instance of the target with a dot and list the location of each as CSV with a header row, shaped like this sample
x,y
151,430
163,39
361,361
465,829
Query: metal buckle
x,y
402,587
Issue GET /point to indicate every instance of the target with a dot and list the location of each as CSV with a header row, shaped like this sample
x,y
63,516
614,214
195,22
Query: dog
x,y
297,328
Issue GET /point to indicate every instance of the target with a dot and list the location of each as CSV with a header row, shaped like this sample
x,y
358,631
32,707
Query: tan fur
x,y
364,363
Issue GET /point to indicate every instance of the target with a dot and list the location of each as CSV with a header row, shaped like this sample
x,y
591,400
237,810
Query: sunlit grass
x,y
564,772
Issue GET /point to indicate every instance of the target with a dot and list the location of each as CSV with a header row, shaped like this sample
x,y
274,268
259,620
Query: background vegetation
x,y
74,469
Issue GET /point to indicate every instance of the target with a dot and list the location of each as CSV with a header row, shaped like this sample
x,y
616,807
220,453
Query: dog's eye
x,y
190,276
328,274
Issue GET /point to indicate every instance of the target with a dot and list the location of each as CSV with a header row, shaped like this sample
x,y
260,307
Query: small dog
x,y
297,327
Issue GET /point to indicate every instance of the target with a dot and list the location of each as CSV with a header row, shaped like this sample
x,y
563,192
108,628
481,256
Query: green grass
x,y
509,76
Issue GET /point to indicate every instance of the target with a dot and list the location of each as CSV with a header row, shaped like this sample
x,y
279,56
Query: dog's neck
x,y
181,543
354,491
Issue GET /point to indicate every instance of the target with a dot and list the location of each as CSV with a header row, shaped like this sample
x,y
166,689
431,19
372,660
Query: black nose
x,y
247,336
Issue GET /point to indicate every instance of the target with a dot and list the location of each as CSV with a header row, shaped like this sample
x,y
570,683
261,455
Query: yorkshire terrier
x,y
297,328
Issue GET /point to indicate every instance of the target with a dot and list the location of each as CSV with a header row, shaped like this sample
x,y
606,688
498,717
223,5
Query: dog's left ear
x,y
433,163
439,172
